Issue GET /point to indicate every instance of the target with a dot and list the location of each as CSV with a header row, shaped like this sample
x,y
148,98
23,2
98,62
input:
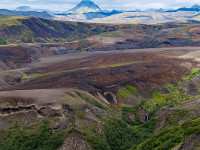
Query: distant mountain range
x,y
5,12
92,15
85,6
90,8
193,8
88,11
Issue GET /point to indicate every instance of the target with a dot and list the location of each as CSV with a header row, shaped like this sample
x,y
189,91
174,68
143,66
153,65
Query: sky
x,y
64,5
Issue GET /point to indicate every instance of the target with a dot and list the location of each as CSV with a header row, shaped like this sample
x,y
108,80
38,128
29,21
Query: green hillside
x,y
37,30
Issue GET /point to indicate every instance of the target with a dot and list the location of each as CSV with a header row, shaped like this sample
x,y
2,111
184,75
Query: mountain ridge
x,y
44,14
195,7
25,30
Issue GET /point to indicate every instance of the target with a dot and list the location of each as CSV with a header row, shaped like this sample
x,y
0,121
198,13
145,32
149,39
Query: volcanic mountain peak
x,y
84,7
24,8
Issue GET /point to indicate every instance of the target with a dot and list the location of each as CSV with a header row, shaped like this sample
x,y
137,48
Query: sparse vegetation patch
x,y
123,95
132,90
2,42
194,72
93,102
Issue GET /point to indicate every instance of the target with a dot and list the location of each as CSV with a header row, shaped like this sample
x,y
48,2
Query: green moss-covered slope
x,y
29,30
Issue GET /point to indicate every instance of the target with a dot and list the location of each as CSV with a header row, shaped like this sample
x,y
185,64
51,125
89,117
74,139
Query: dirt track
x,y
44,62
38,96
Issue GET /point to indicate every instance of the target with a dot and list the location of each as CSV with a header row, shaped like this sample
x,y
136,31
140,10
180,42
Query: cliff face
x,y
63,108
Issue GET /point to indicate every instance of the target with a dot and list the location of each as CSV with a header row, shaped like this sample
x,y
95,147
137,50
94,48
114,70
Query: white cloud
x,y
145,6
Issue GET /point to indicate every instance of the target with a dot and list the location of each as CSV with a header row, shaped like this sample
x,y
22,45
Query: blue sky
x,y
104,4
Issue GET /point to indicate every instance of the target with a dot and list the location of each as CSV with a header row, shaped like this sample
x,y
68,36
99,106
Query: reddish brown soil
x,y
149,71
20,56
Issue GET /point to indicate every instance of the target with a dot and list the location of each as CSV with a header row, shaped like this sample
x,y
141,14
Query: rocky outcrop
x,y
75,142
35,106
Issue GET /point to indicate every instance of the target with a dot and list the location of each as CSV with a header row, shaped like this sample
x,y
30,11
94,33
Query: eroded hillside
x,y
101,92
74,97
